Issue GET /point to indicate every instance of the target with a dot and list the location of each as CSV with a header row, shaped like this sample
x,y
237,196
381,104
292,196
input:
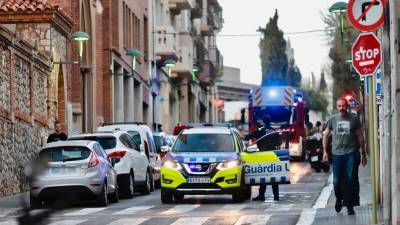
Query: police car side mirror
x,y
165,148
252,148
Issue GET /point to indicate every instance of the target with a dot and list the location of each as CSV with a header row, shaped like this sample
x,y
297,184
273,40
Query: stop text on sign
x,y
366,56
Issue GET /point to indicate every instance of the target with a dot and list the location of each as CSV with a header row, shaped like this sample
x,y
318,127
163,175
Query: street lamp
x,y
169,63
133,53
195,70
339,7
80,37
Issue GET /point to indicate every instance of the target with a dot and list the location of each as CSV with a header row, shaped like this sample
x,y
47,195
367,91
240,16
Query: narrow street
x,y
295,199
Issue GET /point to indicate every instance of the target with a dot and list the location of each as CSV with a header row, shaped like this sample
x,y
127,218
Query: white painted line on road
x,y
67,222
129,221
9,222
86,211
180,209
233,208
307,216
190,221
280,207
133,210
253,220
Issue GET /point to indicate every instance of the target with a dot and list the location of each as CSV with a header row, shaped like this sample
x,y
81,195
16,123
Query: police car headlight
x,y
172,165
228,165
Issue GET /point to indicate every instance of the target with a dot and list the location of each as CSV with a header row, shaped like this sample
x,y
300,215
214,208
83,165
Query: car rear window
x,y
136,136
67,153
204,143
107,142
159,141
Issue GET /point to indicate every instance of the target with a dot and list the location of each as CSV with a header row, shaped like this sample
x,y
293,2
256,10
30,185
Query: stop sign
x,y
366,54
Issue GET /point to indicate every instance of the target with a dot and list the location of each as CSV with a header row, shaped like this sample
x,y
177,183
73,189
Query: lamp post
x,y
80,37
339,7
133,53
195,70
169,63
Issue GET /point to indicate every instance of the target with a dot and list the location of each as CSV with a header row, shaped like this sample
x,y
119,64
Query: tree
x,y
274,62
316,101
322,83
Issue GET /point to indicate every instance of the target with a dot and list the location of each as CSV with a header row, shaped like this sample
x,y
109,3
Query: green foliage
x,y
274,61
322,83
316,101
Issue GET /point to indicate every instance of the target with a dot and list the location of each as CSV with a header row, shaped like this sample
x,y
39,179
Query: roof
x,y
126,127
21,11
82,143
207,130
98,134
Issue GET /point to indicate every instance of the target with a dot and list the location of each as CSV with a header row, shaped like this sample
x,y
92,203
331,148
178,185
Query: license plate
x,y
314,158
61,170
198,180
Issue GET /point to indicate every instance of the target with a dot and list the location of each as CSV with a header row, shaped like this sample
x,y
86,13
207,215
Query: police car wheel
x,y
238,197
166,197
247,192
179,196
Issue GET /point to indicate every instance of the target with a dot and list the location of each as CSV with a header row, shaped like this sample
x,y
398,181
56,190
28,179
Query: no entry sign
x,y
366,15
367,54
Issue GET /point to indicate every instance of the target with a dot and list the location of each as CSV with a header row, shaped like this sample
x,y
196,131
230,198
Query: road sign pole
x,y
372,145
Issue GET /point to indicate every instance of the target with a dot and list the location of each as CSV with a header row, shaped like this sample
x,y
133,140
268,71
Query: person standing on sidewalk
x,y
347,138
58,135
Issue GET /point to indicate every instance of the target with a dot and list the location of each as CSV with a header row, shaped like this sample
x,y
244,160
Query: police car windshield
x,y
204,143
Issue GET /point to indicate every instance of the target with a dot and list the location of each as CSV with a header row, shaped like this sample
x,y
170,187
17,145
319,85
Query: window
x,y
204,143
65,153
151,142
125,141
133,143
106,142
136,136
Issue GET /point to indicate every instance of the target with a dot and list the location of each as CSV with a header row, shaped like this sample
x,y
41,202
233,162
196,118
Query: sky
x,y
245,17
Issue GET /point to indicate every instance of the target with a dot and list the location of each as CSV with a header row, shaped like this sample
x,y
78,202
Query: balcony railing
x,y
167,41
175,6
216,59
197,10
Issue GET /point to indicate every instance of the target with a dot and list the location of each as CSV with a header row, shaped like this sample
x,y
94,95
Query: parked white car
x,y
131,163
142,134
80,170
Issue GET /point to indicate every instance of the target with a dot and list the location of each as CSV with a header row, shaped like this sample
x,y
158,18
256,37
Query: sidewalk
x,y
12,204
328,215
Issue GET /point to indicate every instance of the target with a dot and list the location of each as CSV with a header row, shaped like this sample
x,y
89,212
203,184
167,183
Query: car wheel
x,y
247,192
179,196
152,184
238,196
166,197
129,184
35,202
147,186
102,198
114,197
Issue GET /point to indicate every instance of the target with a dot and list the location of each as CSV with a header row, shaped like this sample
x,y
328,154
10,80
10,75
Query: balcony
x,y
167,42
184,64
208,75
176,6
216,60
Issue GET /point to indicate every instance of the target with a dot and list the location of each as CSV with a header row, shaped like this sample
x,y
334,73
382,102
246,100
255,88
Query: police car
x,y
204,160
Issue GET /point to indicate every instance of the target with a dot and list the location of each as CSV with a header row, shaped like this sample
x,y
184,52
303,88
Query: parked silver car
x,y
80,170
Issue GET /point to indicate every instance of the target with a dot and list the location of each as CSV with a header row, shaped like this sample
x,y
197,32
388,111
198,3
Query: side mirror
x,y
165,148
252,148
141,147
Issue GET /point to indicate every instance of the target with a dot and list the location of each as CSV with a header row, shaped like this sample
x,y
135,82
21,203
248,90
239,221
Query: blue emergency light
x,y
273,93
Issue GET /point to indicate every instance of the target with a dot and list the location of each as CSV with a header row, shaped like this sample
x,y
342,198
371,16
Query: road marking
x,y
180,209
133,210
233,208
8,222
86,211
129,221
191,221
307,216
253,220
280,207
67,222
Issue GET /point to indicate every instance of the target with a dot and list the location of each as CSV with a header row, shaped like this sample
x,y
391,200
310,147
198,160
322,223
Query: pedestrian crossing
x,y
183,214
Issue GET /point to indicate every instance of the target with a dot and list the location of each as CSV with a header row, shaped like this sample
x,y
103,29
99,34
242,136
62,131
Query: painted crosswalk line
x,y
8,222
133,210
180,209
253,220
67,222
280,207
86,211
191,221
233,207
129,221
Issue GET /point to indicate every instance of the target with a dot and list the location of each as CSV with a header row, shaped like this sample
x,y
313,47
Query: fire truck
x,y
286,108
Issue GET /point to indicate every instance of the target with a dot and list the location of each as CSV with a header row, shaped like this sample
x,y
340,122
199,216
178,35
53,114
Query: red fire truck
x,y
286,108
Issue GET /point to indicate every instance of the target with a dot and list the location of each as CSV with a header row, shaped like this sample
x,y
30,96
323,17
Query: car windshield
x,y
204,143
107,142
159,141
136,136
65,153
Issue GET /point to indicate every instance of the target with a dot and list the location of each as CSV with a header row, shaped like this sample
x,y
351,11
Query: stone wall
x,y
19,144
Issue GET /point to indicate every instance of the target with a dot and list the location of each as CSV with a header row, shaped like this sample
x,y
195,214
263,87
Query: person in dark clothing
x,y
58,135
265,144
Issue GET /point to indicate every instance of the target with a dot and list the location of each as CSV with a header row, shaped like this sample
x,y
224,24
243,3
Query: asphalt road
x,y
295,198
